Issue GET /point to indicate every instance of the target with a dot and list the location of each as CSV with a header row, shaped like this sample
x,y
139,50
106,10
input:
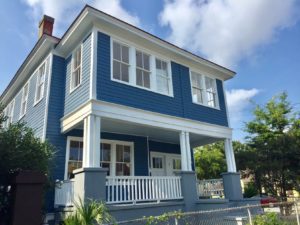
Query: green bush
x,y
269,219
89,213
250,190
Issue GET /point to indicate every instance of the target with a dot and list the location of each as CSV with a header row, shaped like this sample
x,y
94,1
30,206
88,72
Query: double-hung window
x,y
105,157
40,83
204,90
162,77
9,113
76,69
123,160
75,156
142,69
120,62
24,100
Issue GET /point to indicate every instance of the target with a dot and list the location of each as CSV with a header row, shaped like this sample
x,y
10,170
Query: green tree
x,y
275,147
20,150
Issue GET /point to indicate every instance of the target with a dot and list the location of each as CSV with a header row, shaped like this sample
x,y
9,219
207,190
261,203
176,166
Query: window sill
x,y
140,87
75,88
22,116
216,108
38,101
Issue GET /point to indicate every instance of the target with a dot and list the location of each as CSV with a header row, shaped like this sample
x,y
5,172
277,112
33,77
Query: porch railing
x,y
210,188
64,193
142,189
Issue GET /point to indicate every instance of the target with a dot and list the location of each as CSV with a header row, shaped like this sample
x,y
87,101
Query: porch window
x,y
24,100
123,160
75,156
142,69
120,62
176,164
76,69
157,162
162,77
40,83
105,158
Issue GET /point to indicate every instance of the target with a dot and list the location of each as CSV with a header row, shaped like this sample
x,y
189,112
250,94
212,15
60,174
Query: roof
x,y
57,42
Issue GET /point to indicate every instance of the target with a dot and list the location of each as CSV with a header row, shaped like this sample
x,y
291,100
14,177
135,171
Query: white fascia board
x,y
147,118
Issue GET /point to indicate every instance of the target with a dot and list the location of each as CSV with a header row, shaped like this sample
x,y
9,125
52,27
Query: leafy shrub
x,y
268,219
250,190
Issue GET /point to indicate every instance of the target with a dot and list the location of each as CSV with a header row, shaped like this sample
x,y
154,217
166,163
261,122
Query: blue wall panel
x,y
155,146
80,95
180,105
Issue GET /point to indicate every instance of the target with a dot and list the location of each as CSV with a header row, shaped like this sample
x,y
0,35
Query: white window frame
x,y
113,144
132,67
74,70
143,69
203,88
40,83
9,109
24,101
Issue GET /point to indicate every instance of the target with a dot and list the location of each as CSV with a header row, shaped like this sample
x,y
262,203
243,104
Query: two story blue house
x,y
124,110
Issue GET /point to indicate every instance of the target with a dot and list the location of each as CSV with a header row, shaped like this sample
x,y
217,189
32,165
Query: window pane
x,y
117,51
106,165
125,54
116,70
119,169
157,163
146,62
126,154
125,73
209,84
158,64
197,96
126,169
176,164
146,79
119,150
139,59
162,84
139,77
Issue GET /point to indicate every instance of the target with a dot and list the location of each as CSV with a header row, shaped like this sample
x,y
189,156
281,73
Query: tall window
x,y
40,83
204,90
76,69
75,156
211,92
24,100
162,76
120,62
142,69
105,158
123,164
197,88
9,112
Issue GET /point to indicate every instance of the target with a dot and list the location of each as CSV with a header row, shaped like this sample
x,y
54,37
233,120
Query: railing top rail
x,y
143,177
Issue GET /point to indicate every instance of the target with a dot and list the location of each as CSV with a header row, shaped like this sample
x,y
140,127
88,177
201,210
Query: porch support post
x,y
231,179
91,141
185,149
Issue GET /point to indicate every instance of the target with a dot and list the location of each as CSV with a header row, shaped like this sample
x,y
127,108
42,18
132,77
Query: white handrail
x,y
125,189
64,193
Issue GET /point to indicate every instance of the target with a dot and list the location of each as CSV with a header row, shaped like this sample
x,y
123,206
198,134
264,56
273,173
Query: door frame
x,y
168,166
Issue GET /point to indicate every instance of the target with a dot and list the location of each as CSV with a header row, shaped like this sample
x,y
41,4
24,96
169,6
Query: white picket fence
x,y
132,189
64,193
210,188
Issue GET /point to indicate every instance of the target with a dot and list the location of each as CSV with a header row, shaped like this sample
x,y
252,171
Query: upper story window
x,y
204,90
40,83
120,62
9,113
140,69
76,69
162,76
24,100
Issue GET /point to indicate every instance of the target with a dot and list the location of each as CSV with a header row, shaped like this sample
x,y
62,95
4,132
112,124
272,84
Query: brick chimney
x,y
46,25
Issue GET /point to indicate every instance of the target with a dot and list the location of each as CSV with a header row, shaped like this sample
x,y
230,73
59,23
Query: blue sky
x,y
260,40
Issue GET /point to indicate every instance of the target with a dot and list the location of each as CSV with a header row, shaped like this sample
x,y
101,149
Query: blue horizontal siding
x,y
155,146
80,95
180,105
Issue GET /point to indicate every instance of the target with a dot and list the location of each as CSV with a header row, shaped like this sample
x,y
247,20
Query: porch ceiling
x,y
154,133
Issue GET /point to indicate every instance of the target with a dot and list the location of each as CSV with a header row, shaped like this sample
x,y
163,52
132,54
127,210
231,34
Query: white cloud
x,y
226,31
65,11
238,100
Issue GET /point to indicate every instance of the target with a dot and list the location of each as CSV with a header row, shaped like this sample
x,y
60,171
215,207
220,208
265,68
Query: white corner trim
x,y
93,67
50,57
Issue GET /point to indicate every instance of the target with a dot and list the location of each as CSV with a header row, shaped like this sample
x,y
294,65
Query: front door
x,y
163,164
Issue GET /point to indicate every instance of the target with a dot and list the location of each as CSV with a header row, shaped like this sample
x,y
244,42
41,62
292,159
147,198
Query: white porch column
x,y
185,151
91,141
230,160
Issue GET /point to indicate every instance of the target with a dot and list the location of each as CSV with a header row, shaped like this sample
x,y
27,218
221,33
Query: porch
x,y
130,161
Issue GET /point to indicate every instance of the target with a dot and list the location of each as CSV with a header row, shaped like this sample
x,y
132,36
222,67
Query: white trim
x,y
93,72
25,106
129,114
50,58
226,105
72,89
132,66
69,139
